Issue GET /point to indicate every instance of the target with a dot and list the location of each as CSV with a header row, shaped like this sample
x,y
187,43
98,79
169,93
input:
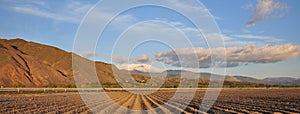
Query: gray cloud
x,y
142,59
123,60
264,9
235,56
88,54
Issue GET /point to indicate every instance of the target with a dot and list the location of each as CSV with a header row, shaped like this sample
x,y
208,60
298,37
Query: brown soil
x,y
230,101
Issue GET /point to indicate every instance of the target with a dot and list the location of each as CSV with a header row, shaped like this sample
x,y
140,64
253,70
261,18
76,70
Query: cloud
x,y
71,12
88,54
258,37
238,40
25,2
172,32
140,67
140,59
264,9
217,35
40,13
236,56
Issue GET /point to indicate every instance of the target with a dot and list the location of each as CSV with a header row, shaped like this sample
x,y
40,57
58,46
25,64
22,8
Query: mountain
x,y
31,64
282,81
19,67
173,76
249,79
288,81
35,65
229,80
202,76
139,67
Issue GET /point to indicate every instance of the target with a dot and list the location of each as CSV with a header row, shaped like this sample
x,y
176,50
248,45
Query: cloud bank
x,y
236,56
123,60
88,54
66,11
264,9
140,67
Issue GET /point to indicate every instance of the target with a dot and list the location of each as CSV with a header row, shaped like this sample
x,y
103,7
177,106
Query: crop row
x,y
161,102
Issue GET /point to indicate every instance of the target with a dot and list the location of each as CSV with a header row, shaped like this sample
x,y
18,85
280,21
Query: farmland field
x,y
230,101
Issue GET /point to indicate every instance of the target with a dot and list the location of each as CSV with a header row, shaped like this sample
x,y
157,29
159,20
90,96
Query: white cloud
x,y
71,12
168,32
140,59
237,43
186,6
217,35
265,9
88,54
140,67
238,40
235,55
40,13
259,37
26,2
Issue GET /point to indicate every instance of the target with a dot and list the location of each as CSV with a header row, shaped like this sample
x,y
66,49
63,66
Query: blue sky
x,y
275,30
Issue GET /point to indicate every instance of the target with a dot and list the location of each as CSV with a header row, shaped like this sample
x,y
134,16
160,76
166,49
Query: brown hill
x,y
34,65
19,68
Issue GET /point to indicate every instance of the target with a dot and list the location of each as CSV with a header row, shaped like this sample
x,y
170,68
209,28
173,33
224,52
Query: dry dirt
x,y
229,101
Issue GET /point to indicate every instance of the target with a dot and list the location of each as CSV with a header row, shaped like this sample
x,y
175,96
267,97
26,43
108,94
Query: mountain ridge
x,y
49,57
32,64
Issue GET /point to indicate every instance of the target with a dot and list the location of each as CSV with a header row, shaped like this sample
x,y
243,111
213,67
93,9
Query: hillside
x,y
35,65
18,67
31,64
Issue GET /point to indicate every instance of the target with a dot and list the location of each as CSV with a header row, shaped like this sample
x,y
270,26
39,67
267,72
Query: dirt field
x,y
230,101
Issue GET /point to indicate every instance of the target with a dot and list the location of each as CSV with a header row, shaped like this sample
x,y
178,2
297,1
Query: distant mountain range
x,y
242,79
31,64
139,67
282,81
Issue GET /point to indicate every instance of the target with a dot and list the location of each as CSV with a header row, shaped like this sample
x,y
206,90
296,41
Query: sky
x,y
261,37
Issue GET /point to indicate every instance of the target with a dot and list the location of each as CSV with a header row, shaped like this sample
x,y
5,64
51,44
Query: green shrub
x,y
20,86
52,86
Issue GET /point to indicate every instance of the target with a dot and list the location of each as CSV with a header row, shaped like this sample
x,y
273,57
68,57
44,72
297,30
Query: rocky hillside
x,y
35,65
30,64
20,67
